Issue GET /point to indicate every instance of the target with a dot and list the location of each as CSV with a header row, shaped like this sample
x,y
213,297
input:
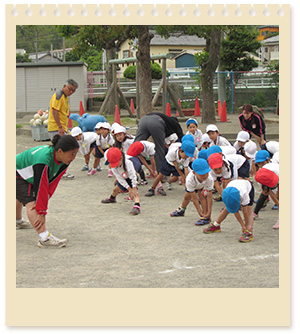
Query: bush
x,y
156,71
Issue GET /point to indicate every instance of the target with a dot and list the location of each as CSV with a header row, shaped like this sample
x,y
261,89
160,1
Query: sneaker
x,y
92,172
110,173
23,225
246,237
85,168
218,198
135,210
68,176
170,186
98,169
255,216
177,213
109,200
212,229
128,198
276,226
275,207
143,183
150,193
161,191
52,241
203,221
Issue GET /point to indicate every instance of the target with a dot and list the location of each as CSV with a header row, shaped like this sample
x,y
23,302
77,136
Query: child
x,y
122,139
177,158
124,172
205,141
171,139
233,167
192,127
87,143
216,138
38,172
271,146
242,138
145,151
250,150
238,194
270,183
103,142
199,185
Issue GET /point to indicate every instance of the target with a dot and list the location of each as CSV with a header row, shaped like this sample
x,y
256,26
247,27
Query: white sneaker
x,y
52,241
23,225
170,186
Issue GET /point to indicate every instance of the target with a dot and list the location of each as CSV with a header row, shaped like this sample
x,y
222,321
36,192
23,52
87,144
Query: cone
x,y
168,113
223,117
197,108
177,113
219,108
117,115
132,106
81,110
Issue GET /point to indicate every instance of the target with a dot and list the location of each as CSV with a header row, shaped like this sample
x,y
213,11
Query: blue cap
x,y
231,199
190,121
262,156
200,166
188,148
202,154
213,149
187,137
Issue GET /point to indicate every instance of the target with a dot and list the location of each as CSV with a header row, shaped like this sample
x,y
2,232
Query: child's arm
x,y
196,203
181,175
274,197
225,182
218,187
144,162
240,220
100,149
209,204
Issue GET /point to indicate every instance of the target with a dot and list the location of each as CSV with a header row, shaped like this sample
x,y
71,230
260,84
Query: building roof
x,y
271,40
49,63
178,40
262,27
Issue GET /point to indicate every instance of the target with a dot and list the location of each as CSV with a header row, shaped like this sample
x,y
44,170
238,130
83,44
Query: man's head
x,y
70,87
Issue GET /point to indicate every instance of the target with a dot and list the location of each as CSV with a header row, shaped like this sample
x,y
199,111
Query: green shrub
x,y
156,71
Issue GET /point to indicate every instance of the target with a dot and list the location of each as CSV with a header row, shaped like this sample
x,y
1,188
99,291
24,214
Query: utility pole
x,y
36,46
64,51
51,52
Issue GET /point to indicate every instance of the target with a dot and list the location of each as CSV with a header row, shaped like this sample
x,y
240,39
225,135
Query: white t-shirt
x,y
192,183
228,150
126,143
225,174
149,148
221,141
197,137
237,161
105,143
173,155
121,175
86,140
244,187
275,158
272,146
274,167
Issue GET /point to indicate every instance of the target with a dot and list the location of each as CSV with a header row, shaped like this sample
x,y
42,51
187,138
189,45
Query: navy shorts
x,y
24,190
251,195
136,163
167,169
98,153
128,180
244,170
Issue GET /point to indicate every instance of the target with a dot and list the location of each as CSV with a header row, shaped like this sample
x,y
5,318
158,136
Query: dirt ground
x,y
109,248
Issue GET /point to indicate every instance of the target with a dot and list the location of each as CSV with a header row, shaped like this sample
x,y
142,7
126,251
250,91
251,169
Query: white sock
x,y
19,221
216,224
44,235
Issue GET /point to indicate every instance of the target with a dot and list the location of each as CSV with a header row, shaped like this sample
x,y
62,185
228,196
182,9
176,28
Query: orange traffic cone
x,y
197,108
81,110
219,108
168,113
117,115
223,117
132,106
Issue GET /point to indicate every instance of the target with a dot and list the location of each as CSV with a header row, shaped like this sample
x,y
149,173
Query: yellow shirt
x,y
60,102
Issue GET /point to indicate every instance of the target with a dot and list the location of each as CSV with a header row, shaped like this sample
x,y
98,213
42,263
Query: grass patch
x,y
125,121
19,126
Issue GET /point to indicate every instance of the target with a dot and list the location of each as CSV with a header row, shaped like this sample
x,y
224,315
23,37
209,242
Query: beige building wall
x,y
155,50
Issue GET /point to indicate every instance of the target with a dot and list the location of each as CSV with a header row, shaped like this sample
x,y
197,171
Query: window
x,y
266,49
126,54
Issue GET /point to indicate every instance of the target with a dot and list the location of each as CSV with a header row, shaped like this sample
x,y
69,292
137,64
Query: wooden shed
x,y
37,82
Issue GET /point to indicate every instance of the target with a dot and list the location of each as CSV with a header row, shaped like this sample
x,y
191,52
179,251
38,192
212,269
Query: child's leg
x,y
159,177
222,216
248,217
173,179
203,202
96,162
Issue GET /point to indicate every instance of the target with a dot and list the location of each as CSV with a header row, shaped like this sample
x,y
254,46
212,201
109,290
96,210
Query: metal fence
x,y
257,87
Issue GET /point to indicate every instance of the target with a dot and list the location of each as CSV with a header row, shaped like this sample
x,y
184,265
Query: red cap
x,y
114,156
266,177
215,160
135,149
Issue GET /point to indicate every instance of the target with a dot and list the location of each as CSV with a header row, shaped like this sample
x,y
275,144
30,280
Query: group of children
x,y
204,163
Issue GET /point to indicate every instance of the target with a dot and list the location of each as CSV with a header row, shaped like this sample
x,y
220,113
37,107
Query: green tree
x,y
156,71
22,58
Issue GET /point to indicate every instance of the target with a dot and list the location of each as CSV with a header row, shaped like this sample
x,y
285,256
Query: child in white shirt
x,y
192,127
214,134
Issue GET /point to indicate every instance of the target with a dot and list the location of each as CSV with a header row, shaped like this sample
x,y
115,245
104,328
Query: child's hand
x,y
182,179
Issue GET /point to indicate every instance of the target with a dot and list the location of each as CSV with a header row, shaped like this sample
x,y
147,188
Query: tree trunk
x,y
207,76
143,55
110,54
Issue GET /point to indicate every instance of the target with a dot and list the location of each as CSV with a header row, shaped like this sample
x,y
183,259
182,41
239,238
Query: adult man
x,y
59,112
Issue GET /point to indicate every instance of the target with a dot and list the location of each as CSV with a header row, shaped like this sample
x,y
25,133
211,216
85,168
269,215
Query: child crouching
x,y
124,172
